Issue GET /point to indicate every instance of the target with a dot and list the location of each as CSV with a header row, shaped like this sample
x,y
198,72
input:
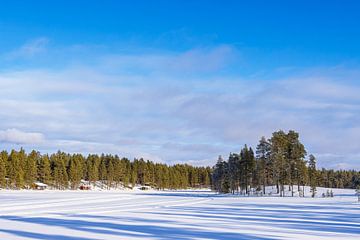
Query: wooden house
x,y
39,186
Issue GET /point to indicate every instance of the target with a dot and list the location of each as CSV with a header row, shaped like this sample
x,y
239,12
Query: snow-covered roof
x,y
40,184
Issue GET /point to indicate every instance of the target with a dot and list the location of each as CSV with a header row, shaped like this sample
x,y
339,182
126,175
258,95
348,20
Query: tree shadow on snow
x,y
335,222
113,230
41,236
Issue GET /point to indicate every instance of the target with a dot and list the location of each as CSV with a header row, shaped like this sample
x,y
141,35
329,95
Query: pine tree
x,y
44,170
92,166
303,171
247,167
312,175
30,168
263,151
60,174
118,171
280,165
110,174
103,170
250,168
242,171
75,171
220,176
233,164
295,155
127,172
15,168
3,160
193,177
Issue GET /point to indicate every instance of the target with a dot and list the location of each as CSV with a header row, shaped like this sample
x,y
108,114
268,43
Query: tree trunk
x,y
264,186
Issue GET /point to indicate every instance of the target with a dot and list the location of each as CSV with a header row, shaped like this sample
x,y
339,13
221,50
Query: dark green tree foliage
x,y
279,161
30,168
312,175
75,170
60,176
296,155
250,168
102,170
110,173
263,164
44,169
92,168
3,160
221,176
65,171
15,169
280,164
233,171
241,173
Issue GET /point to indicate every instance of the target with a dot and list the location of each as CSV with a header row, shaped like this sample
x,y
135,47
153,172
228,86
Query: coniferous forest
x,y
65,171
279,161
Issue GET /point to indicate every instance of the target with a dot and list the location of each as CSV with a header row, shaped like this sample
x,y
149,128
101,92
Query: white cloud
x,y
198,60
19,137
163,115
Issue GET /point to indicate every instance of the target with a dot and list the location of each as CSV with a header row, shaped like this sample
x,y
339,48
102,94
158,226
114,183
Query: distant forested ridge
x,y
279,161
61,170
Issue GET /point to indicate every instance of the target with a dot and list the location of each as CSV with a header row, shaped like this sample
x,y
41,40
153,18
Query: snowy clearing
x,y
175,215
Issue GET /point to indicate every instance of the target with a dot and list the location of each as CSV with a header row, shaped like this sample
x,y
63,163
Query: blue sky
x,y
180,81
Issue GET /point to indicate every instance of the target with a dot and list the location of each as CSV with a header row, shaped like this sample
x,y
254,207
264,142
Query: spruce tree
x,y
295,155
75,170
233,164
103,170
250,168
60,174
3,160
279,162
15,168
312,175
220,176
263,151
30,168
44,170
92,166
110,174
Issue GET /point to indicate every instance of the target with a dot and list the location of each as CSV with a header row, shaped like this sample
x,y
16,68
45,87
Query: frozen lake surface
x,y
175,215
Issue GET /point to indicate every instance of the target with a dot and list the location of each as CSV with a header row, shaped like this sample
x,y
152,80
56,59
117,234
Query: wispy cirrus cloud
x,y
197,60
29,49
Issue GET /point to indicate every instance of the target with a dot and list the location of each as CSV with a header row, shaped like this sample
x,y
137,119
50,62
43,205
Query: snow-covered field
x,y
175,215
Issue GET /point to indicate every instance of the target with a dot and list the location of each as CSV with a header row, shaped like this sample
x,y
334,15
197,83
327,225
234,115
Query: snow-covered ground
x,y
175,215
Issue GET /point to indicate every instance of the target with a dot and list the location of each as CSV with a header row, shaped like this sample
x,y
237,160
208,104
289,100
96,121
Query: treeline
x,y
65,171
279,161
338,179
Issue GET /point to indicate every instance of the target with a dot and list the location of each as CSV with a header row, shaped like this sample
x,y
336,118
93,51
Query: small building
x,y
85,185
40,186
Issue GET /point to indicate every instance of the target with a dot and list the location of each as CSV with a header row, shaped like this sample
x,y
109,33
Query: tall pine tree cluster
x,y
279,161
65,171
